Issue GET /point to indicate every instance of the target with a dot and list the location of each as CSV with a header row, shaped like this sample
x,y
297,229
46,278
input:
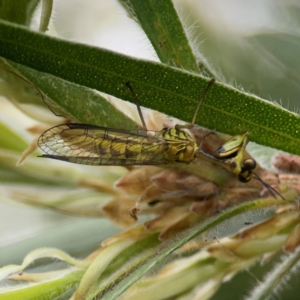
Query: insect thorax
x,y
181,146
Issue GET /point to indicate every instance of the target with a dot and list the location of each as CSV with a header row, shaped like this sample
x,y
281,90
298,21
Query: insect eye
x,y
246,174
243,179
249,164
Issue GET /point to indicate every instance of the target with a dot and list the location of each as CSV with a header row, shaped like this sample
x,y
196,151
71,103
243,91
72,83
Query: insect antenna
x,y
272,191
211,82
136,100
33,85
191,125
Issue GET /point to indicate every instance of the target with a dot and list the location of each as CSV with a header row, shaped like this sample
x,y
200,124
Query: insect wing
x,y
95,145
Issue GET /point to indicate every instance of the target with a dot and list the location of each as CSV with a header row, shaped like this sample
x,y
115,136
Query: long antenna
x,y
136,100
211,82
272,191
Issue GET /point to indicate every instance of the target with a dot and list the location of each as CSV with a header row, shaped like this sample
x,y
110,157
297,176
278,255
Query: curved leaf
x,y
172,91
20,12
145,260
161,23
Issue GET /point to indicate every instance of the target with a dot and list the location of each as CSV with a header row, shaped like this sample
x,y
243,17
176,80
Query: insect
x,y
230,156
96,145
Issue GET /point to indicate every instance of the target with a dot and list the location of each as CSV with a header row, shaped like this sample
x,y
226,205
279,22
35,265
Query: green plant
x,y
173,86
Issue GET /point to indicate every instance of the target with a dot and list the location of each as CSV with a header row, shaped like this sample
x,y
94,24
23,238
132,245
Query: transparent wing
x,y
95,145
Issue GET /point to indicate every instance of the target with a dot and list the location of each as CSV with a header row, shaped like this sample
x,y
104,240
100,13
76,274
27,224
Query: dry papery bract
x,y
183,195
175,199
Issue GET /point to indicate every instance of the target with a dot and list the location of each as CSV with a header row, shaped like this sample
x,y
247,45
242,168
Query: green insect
x,y
96,145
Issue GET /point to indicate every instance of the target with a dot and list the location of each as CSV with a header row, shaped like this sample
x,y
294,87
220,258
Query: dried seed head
x,y
293,240
285,162
137,179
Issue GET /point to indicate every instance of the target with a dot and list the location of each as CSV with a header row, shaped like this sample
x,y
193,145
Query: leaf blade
x,y
172,91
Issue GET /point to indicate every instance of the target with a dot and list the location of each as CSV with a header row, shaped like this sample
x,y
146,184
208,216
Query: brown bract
x,y
179,195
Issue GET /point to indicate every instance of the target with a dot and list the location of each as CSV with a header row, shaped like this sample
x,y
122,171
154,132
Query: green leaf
x,y
76,102
161,23
153,254
280,52
58,288
172,91
20,12
10,140
274,282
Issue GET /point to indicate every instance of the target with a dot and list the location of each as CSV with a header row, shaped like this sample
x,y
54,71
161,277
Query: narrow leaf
x,y
20,12
162,25
134,270
65,98
275,280
172,91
